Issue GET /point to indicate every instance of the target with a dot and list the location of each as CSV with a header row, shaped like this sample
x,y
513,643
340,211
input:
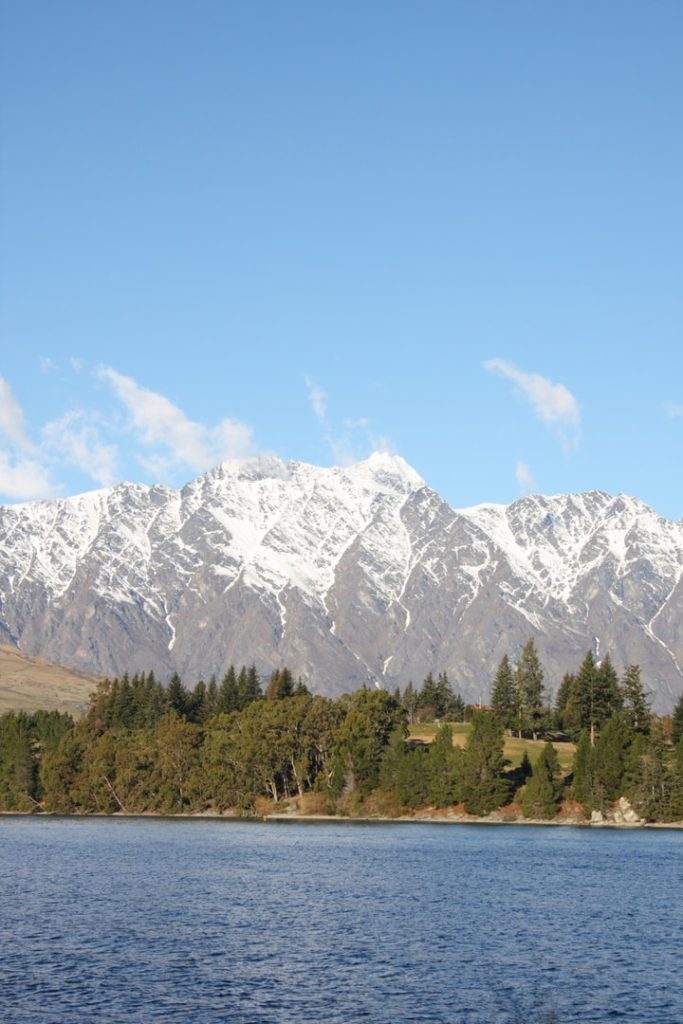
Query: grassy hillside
x,y
29,684
514,748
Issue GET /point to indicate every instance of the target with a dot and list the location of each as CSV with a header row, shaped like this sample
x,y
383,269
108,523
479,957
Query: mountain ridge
x,y
350,575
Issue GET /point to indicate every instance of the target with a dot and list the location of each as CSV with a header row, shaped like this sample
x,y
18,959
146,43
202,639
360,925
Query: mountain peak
x,y
389,469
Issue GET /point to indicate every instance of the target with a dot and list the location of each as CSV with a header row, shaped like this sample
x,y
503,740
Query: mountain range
x,y
361,575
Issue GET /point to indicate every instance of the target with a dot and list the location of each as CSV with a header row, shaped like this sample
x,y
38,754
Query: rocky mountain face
x,y
347,575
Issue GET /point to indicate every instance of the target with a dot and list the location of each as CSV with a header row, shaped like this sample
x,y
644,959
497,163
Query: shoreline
x,y
331,819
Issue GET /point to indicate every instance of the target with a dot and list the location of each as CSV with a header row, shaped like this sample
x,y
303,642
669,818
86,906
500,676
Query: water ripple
x,y
138,920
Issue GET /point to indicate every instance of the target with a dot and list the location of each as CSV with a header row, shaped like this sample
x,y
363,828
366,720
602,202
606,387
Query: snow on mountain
x,y
348,575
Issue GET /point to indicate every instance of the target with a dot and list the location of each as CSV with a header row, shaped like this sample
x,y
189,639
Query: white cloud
x,y
524,478
78,442
318,399
553,403
179,441
356,441
674,410
76,364
12,419
47,365
23,479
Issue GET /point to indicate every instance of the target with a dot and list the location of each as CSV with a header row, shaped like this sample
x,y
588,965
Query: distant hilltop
x,y
351,576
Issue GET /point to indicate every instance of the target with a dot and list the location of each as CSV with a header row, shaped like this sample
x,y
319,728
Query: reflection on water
x,y
145,920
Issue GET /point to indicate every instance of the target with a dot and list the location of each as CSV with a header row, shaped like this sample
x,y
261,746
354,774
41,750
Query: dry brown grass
x,y
32,684
514,748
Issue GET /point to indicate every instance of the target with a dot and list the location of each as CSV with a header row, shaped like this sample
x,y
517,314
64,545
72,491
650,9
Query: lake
x,y
143,920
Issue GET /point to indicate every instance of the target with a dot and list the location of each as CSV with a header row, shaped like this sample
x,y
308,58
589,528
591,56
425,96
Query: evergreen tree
x,y
449,704
177,696
444,769
211,698
632,780
403,771
503,693
280,684
484,786
529,689
543,792
301,690
428,700
249,686
609,698
582,771
676,783
653,798
562,700
677,722
228,693
635,700
594,696
197,708
371,718
609,761
411,702
18,764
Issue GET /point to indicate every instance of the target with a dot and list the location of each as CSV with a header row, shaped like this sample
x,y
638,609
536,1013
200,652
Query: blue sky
x,y
452,230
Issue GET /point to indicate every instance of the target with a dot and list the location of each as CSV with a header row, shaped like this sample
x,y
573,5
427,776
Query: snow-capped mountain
x,y
348,575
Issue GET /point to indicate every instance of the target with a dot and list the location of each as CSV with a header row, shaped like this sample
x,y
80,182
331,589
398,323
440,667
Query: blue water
x,y
143,920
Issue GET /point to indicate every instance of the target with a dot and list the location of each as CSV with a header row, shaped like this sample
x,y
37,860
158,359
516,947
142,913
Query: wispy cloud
x,y
355,441
78,443
674,410
524,478
24,478
554,404
22,471
169,438
318,399
142,426
12,423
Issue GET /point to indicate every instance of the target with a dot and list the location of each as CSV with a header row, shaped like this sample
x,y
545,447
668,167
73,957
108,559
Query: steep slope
x,y
349,575
29,684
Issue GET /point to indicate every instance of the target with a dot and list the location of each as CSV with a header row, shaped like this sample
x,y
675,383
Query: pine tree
x,y
410,701
177,697
249,686
633,695
280,684
529,687
503,693
197,710
228,693
562,699
444,769
212,697
449,704
677,722
484,786
653,799
403,771
582,771
609,699
543,792
609,761
428,700
676,783
594,696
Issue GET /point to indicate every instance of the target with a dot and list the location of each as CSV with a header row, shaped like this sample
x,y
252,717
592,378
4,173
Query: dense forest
x,y
236,746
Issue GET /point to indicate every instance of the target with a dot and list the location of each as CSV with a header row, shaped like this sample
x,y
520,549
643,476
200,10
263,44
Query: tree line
x,y
144,747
